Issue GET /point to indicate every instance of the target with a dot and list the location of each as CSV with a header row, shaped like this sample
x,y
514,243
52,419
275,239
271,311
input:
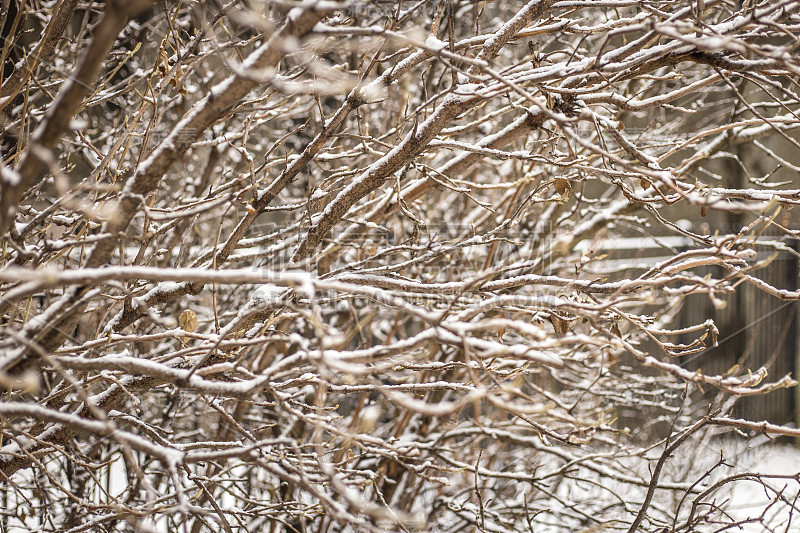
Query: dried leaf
x,y
536,60
177,80
163,62
187,321
562,185
732,370
501,331
560,325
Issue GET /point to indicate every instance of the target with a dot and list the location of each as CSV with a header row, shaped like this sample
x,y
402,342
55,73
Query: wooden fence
x,y
756,329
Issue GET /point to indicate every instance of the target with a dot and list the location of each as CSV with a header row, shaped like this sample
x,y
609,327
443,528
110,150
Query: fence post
x,y
795,347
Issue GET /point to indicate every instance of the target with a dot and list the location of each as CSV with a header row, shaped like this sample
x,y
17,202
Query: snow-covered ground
x,y
774,495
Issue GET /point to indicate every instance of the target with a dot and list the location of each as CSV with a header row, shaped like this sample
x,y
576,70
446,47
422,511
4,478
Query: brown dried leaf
x,y
187,321
560,325
177,80
163,62
562,185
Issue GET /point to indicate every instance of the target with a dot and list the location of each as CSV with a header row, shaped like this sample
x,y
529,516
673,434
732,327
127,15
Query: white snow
x,y
10,176
748,498
434,43
266,294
